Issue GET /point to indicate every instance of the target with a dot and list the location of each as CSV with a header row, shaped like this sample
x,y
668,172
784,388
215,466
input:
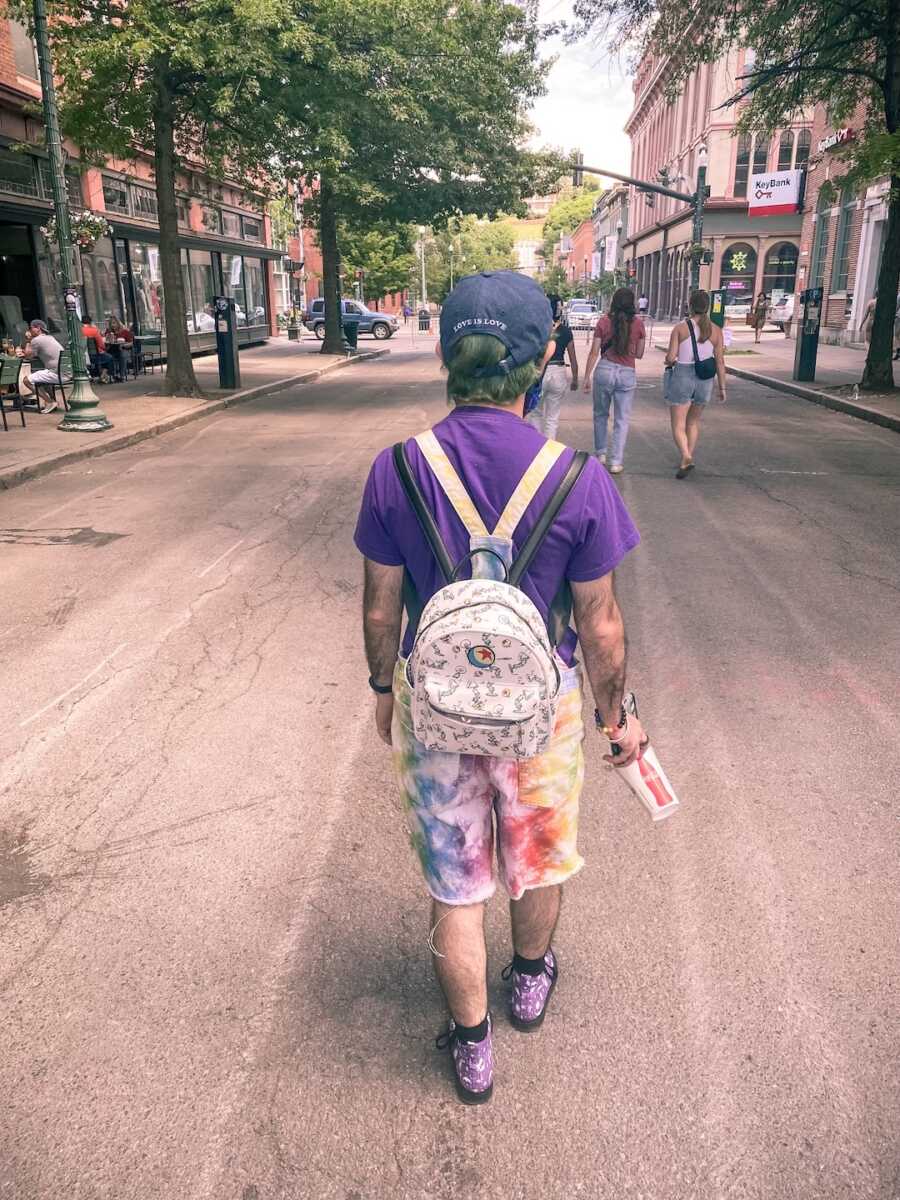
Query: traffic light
x,y
578,170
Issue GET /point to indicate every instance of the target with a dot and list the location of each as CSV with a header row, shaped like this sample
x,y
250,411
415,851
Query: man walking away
x,y
484,468
46,349
643,304
556,381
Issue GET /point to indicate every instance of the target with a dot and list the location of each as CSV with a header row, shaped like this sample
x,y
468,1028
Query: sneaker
x,y
473,1064
601,458
531,994
616,469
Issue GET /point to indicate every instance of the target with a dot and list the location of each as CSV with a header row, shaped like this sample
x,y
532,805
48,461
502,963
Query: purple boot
x,y
473,1064
531,994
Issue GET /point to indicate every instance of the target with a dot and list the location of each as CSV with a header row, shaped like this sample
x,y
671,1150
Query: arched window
x,y
786,150
840,271
820,239
739,274
802,156
780,270
742,165
761,156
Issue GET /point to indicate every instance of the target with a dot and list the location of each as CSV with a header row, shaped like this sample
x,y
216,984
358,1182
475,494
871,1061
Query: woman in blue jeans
x,y
618,343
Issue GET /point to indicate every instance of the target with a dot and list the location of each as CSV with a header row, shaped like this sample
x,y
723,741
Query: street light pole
x,y
85,414
699,200
451,266
422,262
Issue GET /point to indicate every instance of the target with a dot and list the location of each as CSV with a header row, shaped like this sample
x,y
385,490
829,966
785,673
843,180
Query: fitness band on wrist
x,y
380,689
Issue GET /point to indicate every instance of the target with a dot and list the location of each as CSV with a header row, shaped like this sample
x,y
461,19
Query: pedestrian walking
x,y
407,313
425,515
556,381
696,357
643,304
757,316
619,339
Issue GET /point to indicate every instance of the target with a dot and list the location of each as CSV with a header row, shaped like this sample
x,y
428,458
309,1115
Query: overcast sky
x,y
587,102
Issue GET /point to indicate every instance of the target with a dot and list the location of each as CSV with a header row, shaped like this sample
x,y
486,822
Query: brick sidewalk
x,y
138,409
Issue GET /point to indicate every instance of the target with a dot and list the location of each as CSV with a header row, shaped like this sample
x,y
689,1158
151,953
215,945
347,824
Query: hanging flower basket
x,y
87,229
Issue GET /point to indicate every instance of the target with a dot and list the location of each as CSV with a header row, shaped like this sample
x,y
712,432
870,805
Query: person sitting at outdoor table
x,y
46,349
100,360
117,337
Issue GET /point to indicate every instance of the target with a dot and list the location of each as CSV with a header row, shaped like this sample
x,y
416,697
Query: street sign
x,y
774,192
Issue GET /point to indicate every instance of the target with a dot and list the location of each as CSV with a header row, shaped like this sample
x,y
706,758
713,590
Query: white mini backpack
x,y
483,672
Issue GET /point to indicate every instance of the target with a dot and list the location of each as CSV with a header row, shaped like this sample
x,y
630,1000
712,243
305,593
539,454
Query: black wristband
x,y
377,687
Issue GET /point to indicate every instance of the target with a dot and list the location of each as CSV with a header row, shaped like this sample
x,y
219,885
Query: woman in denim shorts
x,y
686,394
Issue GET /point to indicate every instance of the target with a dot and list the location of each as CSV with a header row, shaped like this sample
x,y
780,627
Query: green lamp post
x,y
85,414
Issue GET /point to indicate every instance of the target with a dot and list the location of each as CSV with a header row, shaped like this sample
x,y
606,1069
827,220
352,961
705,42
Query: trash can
x,y
424,320
351,333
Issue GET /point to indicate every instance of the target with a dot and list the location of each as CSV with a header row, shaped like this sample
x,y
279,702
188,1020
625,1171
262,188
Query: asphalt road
x,y
213,973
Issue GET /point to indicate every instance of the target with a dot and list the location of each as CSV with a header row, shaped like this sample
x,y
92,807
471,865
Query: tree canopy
x,y
841,53
573,206
468,245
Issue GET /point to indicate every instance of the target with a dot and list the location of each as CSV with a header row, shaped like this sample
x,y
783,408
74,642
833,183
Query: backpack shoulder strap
x,y
527,488
423,515
451,483
547,517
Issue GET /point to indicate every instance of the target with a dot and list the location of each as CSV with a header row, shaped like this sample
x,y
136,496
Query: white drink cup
x,y
646,778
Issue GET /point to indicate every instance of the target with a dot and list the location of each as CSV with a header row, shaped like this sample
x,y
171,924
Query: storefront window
x,y
739,275
121,248
231,224
102,292
73,184
820,240
23,50
203,288
183,210
48,271
233,283
780,271
148,289
255,289
115,195
840,272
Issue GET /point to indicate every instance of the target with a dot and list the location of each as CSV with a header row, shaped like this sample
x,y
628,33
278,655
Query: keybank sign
x,y
773,193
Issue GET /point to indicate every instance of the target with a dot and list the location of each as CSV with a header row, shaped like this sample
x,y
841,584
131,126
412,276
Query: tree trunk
x,y
331,271
180,379
879,372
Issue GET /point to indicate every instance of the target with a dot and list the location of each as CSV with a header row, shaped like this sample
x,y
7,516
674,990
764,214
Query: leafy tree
x,y
807,51
384,254
184,81
469,245
573,206
417,114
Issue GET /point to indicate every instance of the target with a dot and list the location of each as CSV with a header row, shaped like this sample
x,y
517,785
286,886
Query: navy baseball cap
x,y
504,304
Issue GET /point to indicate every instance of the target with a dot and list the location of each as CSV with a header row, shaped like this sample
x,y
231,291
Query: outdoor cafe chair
x,y
10,369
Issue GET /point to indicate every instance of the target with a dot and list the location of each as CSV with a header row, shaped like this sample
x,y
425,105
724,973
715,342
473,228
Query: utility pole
x,y
696,199
85,414
422,265
451,265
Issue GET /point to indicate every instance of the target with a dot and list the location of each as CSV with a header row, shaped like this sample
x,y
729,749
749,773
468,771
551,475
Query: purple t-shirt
x,y
491,449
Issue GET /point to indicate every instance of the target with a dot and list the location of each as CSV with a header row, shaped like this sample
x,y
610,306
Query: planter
x,y
293,332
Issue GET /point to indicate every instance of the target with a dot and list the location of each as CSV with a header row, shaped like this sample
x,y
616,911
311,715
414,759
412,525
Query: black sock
x,y
529,966
471,1033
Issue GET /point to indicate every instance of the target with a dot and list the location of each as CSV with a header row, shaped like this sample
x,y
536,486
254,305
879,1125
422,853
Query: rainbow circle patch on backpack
x,y
481,656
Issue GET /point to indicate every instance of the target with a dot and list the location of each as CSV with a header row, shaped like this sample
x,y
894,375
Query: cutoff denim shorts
x,y
452,802
686,388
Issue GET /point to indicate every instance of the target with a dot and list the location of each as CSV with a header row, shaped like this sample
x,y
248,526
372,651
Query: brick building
x,y
750,254
610,220
225,233
577,254
843,232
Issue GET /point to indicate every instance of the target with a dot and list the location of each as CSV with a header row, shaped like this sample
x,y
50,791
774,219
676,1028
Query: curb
x,y
849,407
16,475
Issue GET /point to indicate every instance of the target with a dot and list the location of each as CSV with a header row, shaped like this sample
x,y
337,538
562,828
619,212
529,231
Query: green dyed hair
x,y
481,350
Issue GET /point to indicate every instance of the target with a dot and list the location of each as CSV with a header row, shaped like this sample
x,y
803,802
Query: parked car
x,y
380,325
782,313
581,314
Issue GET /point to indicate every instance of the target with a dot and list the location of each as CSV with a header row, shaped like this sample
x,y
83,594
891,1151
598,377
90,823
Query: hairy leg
x,y
678,416
534,919
458,935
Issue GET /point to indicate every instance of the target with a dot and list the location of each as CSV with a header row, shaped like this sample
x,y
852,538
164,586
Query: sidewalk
x,y
139,410
838,372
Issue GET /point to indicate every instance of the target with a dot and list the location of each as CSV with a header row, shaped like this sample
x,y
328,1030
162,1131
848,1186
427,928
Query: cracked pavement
x,y
213,972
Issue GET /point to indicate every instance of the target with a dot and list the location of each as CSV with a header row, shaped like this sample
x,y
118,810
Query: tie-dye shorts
x,y
453,800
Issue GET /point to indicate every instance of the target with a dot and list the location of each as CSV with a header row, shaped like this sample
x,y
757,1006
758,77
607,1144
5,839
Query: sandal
x,y
683,472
